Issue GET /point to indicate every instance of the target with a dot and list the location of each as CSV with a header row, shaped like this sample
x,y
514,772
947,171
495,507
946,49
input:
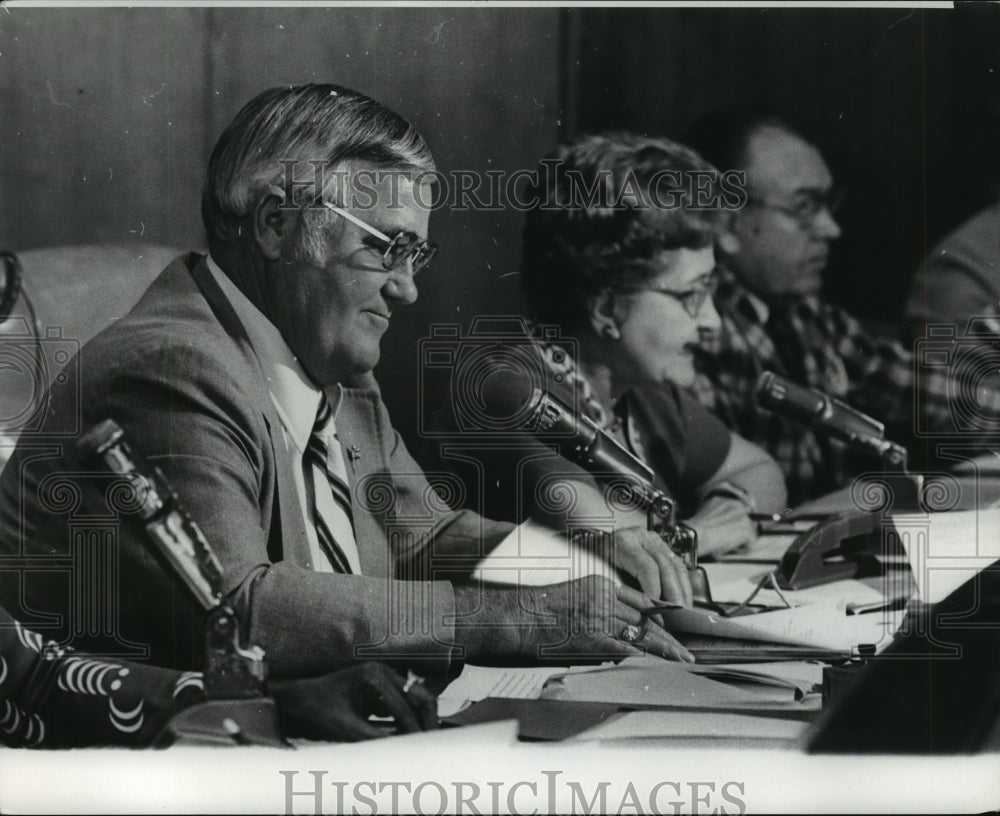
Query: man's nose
x,y
401,286
825,226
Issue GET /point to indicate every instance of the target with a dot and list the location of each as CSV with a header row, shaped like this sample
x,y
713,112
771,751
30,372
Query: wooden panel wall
x,y
107,118
102,133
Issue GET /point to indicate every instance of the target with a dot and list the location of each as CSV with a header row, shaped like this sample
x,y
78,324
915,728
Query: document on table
x,y
821,625
772,544
947,549
534,555
801,677
733,583
698,725
713,651
651,682
479,682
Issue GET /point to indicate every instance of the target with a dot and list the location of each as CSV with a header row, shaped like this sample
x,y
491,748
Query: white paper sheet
x,y
733,583
947,549
821,625
479,682
534,555
694,724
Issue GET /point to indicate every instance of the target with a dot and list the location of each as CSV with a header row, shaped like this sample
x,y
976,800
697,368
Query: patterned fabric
x,y
332,513
821,346
53,698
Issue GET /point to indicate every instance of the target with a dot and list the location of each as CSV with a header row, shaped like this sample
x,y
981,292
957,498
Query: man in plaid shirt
x,y
773,317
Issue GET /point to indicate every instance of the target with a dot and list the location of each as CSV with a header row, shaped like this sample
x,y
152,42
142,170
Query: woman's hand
x,y
660,573
336,706
723,524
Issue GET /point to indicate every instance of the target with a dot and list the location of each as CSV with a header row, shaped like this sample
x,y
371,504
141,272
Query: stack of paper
x,y
512,683
800,678
820,625
697,725
650,682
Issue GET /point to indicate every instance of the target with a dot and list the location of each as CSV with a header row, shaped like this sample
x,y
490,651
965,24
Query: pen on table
x,y
659,608
889,605
775,517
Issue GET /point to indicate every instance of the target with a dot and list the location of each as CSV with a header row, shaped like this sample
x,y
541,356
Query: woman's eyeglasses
x,y
401,247
691,300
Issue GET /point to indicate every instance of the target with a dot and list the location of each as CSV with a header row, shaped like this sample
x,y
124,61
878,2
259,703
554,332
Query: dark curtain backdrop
x,y
904,104
107,117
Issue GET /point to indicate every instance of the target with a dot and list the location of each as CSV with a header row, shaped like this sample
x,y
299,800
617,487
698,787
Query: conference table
x,y
718,760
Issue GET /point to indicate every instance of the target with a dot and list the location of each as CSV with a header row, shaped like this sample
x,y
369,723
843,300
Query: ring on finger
x,y
412,680
632,633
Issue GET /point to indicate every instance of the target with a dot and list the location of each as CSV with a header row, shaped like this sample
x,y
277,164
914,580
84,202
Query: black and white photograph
x,y
499,407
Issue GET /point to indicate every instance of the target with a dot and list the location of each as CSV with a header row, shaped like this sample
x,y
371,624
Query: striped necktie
x,y
332,514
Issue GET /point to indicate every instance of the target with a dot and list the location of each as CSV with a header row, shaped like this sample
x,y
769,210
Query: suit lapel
x,y
358,431
293,544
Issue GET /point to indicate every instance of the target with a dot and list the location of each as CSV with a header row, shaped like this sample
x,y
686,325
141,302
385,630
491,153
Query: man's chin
x,y
345,371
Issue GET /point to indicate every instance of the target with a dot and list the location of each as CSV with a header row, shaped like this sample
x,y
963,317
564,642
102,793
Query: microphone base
x,y
700,590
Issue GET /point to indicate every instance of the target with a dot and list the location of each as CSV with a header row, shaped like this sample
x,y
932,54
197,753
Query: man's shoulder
x,y
978,232
174,331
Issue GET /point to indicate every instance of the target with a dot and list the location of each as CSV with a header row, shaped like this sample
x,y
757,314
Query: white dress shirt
x,y
296,400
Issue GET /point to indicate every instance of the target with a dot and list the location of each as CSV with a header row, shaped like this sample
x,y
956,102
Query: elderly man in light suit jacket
x,y
246,376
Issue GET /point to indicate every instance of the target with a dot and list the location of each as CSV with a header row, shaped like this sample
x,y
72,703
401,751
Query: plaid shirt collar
x,y
733,297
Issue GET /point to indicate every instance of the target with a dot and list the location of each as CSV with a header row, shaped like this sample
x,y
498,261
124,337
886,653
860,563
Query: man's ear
x,y
606,313
272,224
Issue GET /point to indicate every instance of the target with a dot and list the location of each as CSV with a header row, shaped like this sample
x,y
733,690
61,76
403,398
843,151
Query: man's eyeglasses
x,y
805,207
691,300
399,248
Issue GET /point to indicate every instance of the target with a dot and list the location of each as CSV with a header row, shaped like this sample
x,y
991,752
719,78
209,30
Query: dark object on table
x,y
935,690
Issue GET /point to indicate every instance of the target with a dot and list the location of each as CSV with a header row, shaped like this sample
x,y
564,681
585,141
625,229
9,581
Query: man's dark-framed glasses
x,y
806,206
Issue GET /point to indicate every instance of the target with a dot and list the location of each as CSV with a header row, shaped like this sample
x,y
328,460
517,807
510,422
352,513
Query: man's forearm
x,y
487,621
309,623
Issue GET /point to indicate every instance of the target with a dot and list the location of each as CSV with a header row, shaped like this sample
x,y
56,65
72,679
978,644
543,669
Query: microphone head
x,y
789,399
507,400
769,389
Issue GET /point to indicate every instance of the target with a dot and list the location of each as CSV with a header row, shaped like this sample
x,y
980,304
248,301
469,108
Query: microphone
x,y
232,670
813,408
512,402
507,395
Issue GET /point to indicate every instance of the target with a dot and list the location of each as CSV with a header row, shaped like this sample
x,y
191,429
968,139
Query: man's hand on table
x,y
583,620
